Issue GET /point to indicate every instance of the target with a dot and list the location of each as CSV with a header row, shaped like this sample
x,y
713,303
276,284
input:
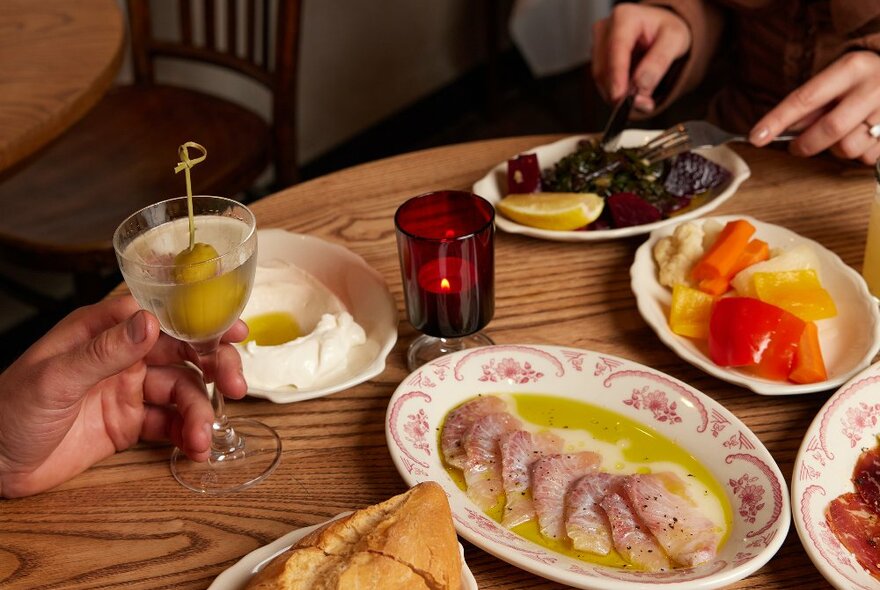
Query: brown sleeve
x,y
706,21
856,24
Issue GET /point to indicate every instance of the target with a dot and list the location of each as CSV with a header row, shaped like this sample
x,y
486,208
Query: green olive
x,y
204,304
188,267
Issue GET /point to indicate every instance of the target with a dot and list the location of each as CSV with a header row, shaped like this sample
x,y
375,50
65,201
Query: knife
x,y
619,116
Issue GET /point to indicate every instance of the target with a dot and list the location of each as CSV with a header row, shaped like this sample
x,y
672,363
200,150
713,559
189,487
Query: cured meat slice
x,y
586,524
688,537
459,422
519,450
551,477
630,535
482,468
866,477
857,526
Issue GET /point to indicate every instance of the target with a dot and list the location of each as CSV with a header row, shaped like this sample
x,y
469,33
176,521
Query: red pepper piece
x,y
523,175
744,331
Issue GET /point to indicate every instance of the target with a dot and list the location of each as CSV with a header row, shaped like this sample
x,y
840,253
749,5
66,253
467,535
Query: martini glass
x,y
197,299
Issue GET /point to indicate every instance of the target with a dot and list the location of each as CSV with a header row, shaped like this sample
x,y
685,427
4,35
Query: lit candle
x,y
447,275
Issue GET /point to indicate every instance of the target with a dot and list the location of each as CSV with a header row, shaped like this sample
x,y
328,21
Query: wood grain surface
x,y
57,58
126,523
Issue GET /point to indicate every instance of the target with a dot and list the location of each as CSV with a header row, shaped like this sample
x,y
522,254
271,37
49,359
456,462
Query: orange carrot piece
x,y
756,251
714,287
721,257
808,365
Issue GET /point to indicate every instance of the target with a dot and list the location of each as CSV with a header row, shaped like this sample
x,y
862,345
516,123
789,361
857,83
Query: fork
x,y
688,136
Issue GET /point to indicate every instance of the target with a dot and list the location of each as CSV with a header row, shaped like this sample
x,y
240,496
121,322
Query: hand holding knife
x,y
619,116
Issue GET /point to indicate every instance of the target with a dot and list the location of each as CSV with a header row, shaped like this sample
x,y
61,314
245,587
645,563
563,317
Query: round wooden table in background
x,y
126,523
57,58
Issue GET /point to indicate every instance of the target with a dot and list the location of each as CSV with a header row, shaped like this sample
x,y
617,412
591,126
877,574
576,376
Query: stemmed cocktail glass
x,y
195,274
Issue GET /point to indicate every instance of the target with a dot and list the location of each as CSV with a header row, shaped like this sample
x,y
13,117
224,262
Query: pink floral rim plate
x,y
755,488
848,423
849,341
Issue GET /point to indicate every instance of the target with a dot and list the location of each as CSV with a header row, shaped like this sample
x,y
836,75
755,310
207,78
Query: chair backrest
x,y
247,44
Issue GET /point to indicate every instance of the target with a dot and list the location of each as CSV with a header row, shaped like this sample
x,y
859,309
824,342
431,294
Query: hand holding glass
x,y
197,292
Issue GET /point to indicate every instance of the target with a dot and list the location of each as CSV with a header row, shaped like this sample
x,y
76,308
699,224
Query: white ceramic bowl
x,y
849,341
238,576
358,286
754,486
846,424
493,187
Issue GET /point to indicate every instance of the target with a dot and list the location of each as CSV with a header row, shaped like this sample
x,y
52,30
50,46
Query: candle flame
x,y
444,284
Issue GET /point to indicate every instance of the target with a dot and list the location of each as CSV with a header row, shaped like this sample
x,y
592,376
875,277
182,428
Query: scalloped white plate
x,y
493,187
849,341
360,287
755,488
847,423
238,576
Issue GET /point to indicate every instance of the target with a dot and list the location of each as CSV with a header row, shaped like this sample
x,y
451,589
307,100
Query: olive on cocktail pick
x,y
206,298
188,267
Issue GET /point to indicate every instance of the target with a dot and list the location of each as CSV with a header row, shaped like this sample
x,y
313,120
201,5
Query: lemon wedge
x,y
554,211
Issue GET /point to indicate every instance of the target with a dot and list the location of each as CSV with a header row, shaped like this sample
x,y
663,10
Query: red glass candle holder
x,y
447,260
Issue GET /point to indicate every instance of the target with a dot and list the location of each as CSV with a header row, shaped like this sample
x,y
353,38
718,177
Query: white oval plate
x,y
493,187
238,576
846,424
736,458
361,288
849,341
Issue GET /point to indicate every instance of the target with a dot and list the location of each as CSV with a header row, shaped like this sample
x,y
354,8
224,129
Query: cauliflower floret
x,y
677,254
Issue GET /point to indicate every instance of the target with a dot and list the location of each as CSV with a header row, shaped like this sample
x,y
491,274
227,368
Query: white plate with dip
x,y
493,187
238,576
742,468
348,279
823,469
849,341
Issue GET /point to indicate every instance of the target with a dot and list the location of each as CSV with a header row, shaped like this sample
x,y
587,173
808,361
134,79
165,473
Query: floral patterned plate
x,y
754,486
847,423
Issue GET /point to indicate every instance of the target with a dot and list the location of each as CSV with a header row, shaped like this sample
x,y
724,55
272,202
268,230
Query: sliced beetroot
x,y
523,174
692,174
598,225
629,209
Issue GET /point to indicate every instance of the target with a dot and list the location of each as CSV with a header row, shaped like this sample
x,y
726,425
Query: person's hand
x,y
632,29
834,109
100,379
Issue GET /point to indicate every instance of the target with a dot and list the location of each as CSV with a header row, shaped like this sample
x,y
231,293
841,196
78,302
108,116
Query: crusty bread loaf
x,y
406,542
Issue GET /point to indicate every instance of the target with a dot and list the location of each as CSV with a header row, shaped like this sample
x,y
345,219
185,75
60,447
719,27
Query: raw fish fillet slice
x,y
857,526
482,470
585,522
459,422
519,450
630,535
551,477
687,536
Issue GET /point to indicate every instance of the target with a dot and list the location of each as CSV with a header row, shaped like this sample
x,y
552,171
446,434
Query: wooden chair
x,y
59,211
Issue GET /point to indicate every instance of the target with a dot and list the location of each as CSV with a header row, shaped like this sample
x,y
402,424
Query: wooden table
x,y
127,523
57,58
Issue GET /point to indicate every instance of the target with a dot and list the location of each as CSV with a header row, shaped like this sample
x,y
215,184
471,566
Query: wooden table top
x,y
57,58
127,523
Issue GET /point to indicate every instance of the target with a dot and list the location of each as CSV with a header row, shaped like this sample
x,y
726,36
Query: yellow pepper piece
x,y
796,291
689,315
